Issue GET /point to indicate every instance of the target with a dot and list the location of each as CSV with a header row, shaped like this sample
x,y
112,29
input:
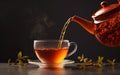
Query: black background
x,y
22,21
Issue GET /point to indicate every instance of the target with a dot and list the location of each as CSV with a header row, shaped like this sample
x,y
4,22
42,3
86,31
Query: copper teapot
x,y
105,25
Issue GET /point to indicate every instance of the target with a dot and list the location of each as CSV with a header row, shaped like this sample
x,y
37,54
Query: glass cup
x,y
48,52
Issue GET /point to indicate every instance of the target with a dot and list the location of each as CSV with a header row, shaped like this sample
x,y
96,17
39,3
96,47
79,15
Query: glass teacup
x,y
50,54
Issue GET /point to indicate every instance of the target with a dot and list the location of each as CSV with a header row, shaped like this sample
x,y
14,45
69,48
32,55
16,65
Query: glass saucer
x,y
56,65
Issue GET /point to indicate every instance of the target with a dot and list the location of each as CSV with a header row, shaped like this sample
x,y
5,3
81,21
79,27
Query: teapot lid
x,y
106,12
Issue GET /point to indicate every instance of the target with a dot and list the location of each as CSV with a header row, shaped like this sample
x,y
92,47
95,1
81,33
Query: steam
x,y
42,24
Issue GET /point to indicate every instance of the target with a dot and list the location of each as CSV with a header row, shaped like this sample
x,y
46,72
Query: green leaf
x,y
85,60
28,60
82,58
79,57
90,61
112,62
9,61
100,60
20,55
25,57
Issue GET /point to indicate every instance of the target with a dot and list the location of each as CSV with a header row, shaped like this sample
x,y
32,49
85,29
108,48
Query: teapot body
x,y
108,32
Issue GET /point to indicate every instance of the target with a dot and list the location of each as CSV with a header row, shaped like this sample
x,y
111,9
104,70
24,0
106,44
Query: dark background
x,y
22,21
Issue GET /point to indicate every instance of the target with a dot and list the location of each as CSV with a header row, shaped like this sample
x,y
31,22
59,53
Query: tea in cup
x,y
48,52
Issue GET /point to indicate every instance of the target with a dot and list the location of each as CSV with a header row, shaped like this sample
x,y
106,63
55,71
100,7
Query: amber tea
x,y
51,55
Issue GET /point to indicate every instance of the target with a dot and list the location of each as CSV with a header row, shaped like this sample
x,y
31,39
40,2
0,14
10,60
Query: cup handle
x,y
74,50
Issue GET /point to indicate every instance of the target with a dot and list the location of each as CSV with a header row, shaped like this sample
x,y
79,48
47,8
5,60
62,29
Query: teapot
x,y
105,25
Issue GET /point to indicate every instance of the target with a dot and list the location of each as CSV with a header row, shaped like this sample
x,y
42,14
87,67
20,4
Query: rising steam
x,y
41,27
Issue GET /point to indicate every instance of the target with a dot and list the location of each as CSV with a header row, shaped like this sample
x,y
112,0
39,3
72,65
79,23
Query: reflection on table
x,y
70,69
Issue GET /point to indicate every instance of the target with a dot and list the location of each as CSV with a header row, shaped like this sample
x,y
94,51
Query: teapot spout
x,y
86,24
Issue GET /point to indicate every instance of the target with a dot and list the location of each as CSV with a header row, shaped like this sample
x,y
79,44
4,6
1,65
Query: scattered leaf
x,y
9,61
20,60
112,62
19,54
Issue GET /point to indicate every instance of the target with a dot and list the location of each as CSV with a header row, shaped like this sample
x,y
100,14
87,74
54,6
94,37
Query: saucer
x,y
56,65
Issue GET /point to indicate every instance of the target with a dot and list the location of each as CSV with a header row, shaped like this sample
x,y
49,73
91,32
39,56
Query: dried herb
x,y
84,59
112,62
20,60
9,61
98,63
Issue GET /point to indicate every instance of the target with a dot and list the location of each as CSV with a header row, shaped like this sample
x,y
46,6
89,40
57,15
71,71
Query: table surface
x,y
71,69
